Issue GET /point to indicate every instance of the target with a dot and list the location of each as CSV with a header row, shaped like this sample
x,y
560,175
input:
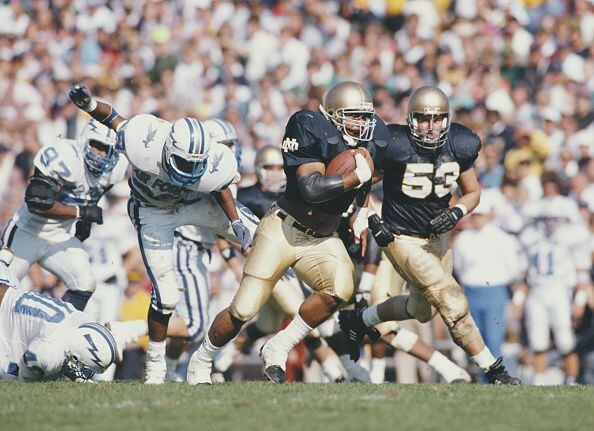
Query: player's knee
x,y
454,309
242,312
343,285
423,312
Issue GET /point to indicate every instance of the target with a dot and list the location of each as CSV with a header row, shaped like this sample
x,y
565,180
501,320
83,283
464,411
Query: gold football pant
x,y
322,263
426,265
387,283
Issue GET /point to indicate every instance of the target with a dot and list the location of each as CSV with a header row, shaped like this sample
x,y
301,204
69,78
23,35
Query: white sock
x,y
207,351
289,337
155,350
171,374
378,371
332,368
484,359
370,317
446,368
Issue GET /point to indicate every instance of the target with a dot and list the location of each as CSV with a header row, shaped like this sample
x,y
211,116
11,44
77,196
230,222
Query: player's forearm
x,y
470,200
101,111
58,210
227,203
317,188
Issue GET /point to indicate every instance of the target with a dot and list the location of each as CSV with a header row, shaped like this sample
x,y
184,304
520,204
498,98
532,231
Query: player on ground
x,y
559,261
180,177
69,179
422,163
44,338
299,231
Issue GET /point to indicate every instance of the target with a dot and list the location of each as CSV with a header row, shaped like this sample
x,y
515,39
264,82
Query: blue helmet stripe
x,y
192,135
199,126
105,334
224,125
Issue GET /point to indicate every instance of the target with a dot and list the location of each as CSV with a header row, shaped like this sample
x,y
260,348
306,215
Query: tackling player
x,y
299,231
44,338
179,177
424,160
69,179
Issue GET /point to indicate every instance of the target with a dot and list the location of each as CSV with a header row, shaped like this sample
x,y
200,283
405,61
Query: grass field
x,y
264,406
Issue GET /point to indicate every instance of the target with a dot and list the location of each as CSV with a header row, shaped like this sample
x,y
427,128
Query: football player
x,y
299,230
559,261
61,204
423,161
179,177
44,338
379,281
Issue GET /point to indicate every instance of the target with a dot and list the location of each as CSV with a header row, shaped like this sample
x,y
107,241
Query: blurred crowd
x,y
518,72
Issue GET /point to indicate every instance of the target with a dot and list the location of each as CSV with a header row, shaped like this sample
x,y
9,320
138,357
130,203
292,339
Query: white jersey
x,y
64,162
34,331
142,139
554,261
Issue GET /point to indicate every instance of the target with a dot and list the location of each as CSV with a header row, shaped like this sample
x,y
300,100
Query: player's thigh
x,y
415,261
387,282
71,263
537,323
559,308
193,280
288,295
27,249
326,267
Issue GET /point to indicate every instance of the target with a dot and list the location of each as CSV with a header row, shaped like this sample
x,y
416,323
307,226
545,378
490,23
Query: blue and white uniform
x,y
554,264
50,241
192,248
158,207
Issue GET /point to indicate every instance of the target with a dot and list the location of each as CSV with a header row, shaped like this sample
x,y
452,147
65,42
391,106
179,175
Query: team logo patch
x,y
289,144
150,136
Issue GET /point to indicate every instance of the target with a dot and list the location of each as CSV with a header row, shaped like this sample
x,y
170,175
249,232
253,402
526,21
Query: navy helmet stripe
x,y
192,135
105,334
199,126
224,125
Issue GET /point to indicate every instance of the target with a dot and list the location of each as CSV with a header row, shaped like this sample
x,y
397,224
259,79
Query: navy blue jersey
x,y
256,199
310,137
417,182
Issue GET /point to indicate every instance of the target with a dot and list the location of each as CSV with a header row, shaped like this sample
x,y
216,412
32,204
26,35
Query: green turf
x,y
264,406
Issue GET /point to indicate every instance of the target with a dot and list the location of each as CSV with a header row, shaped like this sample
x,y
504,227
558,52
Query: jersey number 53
x,y
420,179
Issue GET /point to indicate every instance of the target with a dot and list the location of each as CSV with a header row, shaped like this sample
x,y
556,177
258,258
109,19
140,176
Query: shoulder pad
x,y
220,172
62,161
399,145
300,138
464,142
142,139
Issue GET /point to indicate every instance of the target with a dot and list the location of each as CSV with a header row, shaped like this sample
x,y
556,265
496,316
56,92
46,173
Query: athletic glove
x,y
83,230
446,220
362,169
243,234
82,98
91,213
380,231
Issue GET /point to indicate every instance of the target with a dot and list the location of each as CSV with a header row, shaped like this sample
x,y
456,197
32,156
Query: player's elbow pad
x,y
41,193
316,188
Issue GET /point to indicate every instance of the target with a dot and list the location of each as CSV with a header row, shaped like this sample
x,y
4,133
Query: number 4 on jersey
x,y
417,182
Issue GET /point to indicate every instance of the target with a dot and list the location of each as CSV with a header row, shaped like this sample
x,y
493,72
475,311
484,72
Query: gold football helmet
x,y
350,107
269,169
428,117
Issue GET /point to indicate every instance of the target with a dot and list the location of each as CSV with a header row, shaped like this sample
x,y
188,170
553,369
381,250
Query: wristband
x,y
77,212
463,208
580,298
519,297
92,106
228,254
366,282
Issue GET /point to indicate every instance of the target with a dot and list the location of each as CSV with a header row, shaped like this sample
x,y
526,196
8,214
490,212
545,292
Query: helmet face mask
x,y
428,117
76,370
350,108
269,169
99,148
185,154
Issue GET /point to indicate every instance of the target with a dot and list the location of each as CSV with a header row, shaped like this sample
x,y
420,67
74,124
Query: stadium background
x,y
519,73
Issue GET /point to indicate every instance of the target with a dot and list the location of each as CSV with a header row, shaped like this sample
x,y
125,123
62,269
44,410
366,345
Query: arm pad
x,y
41,193
317,188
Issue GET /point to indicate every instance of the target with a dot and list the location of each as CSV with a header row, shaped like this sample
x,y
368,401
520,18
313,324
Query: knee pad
x,y
404,340
464,331
253,292
448,298
343,284
77,298
422,311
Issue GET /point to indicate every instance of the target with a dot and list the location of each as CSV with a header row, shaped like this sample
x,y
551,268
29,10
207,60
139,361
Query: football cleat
x,y
274,363
199,370
498,375
355,330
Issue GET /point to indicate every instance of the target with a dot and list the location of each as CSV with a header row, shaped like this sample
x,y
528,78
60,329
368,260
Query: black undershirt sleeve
x,y
316,188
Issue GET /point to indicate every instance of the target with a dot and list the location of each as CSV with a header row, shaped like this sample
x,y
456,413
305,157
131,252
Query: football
x,y
344,162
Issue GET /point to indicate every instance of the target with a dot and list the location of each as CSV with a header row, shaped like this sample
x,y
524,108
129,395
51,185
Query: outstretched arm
x,y
100,111
227,203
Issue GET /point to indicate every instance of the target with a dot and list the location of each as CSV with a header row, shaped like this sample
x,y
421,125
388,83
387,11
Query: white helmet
x,y
98,136
270,156
553,213
186,151
223,132
93,351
